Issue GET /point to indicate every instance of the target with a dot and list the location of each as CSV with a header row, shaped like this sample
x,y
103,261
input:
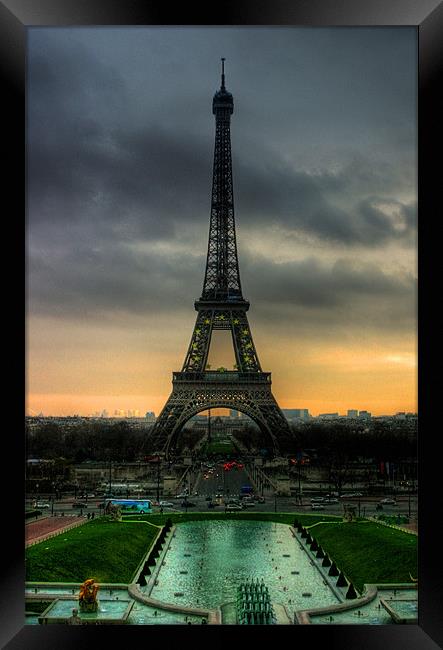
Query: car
x,y
166,504
188,504
183,495
317,500
218,495
41,504
79,504
317,506
248,504
233,506
331,500
388,501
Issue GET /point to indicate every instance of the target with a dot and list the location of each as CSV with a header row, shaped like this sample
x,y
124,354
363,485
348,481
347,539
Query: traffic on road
x,y
227,486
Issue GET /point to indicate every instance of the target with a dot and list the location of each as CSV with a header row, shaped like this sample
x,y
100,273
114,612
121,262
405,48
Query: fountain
x,y
87,609
254,604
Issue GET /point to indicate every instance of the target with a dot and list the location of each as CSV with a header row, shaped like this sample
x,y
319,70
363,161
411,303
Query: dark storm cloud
x,y
313,203
111,280
324,295
120,145
116,281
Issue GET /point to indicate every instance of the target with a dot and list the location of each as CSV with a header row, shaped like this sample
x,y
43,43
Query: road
x,y
229,483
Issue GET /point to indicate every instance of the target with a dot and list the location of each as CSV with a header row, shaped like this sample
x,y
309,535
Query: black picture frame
x,y
427,16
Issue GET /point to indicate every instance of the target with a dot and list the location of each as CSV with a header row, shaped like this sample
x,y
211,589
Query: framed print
x,y
323,135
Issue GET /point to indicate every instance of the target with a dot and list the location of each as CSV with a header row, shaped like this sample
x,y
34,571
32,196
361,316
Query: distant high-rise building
x,y
292,414
150,416
352,413
328,416
365,415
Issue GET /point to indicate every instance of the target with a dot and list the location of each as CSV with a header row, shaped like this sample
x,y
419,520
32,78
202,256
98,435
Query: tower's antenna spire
x,y
223,73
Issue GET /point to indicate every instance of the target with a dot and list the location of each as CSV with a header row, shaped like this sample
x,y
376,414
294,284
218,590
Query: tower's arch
x,y
242,407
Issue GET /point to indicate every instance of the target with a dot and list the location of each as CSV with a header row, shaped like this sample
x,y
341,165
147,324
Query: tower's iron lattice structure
x,y
221,307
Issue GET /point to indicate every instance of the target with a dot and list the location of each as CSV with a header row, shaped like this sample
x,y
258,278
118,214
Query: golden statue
x,y
87,599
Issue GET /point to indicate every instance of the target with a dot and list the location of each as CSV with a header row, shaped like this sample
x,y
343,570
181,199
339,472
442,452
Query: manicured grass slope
x,y
105,550
368,552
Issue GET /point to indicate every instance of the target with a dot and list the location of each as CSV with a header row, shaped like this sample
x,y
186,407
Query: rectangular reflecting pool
x,y
206,561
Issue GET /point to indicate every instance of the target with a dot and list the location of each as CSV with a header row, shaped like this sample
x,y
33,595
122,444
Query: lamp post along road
x,y
158,479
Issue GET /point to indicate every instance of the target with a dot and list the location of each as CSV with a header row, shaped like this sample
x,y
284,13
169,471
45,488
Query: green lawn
x,y
105,550
368,552
219,448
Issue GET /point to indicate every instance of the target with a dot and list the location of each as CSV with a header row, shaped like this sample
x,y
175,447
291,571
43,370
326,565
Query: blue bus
x,y
131,506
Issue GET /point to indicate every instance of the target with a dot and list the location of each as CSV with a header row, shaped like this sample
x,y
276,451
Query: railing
x,y
223,376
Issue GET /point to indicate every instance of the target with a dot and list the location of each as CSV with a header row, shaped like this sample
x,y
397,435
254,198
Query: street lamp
x,y
110,476
158,479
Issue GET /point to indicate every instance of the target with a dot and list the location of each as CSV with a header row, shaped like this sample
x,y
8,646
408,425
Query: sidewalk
x,y
38,531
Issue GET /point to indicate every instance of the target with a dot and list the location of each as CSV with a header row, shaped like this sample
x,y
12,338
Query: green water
x,y
208,559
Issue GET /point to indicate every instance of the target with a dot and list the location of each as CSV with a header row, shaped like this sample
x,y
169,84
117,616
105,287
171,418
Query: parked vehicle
x,y
317,506
188,504
41,504
79,504
233,506
388,501
166,504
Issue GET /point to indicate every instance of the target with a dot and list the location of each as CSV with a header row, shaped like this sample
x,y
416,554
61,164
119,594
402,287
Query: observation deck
x,y
222,377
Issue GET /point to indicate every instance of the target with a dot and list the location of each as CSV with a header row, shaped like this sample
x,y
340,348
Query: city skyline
x,y
120,145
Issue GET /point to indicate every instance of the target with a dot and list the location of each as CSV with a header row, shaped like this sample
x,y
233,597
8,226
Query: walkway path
x,y
37,531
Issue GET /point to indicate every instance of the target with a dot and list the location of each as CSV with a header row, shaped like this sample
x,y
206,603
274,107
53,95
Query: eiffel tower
x,y
221,307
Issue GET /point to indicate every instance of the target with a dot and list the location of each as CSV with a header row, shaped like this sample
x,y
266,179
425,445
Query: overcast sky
x,y
120,149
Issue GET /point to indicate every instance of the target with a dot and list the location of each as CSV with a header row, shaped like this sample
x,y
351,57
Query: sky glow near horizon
x,y
120,144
